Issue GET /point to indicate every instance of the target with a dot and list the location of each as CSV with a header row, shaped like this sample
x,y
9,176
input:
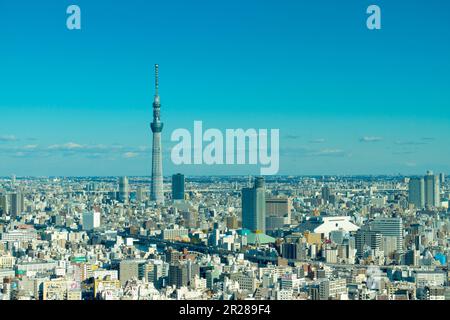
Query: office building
x,y
365,238
332,289
91,220
254,207
17,204
178,275
326,193
140,194
278,213
131,269
291,251
442,178
432,190
389,227
178,183
124,190
412,257
4,208
416,193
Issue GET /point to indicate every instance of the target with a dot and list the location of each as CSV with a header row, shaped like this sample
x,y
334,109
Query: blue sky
x,y
347,100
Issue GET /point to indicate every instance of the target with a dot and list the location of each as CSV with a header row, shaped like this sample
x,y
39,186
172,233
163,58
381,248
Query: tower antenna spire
x,y
156,79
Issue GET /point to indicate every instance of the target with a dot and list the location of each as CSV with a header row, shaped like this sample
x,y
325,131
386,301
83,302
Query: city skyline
x,y
224,157
224,239
85,112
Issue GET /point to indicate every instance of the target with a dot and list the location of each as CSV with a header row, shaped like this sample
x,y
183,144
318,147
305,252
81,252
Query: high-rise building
x,y
389,227
432,190
140,194
155,272
326,193
160,272
156,191
3,204
16,204
278,213
91,220
365,237
124,190
178,275
254,206
412,257
178,183
442,178
290,251
416,194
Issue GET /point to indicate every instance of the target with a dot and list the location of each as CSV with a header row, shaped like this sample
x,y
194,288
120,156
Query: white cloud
x,y
66,146
370,139
320,140
328,152
7,138
130,155
30,147
411,164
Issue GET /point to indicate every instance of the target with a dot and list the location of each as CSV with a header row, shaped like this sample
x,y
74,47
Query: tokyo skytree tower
x,y
156,191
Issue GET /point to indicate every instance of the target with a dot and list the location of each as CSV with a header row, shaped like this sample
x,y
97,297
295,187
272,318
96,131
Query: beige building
x,y
6,262
61,289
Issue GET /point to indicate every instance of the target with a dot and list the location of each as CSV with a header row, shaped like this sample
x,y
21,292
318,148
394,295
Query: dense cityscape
x,y
225,238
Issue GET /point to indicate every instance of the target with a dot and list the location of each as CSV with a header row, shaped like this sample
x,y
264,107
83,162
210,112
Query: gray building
x,y
389,227
432,190
278,213
4,204
131,269
442,178
326,193
178,275
124,190
16,204
416,194
254,206
178,183
367,238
